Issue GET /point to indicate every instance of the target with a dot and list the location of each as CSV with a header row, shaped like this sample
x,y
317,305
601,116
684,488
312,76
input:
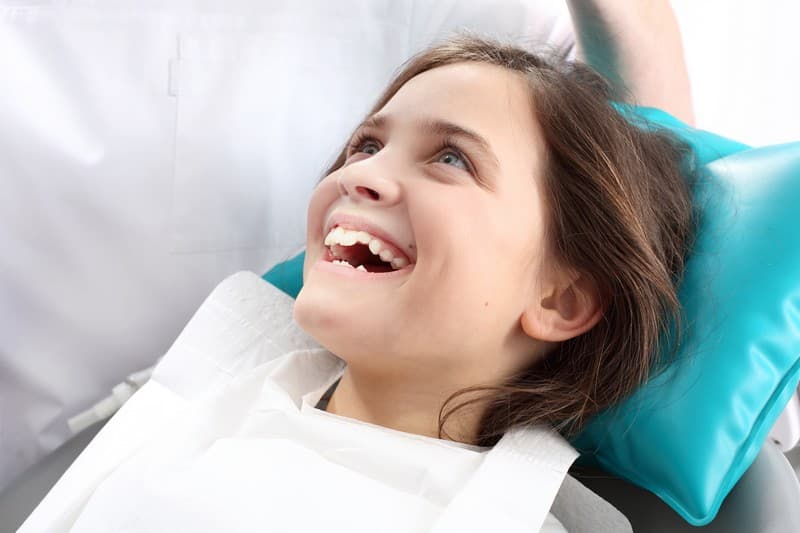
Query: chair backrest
x,y
24,493
766,500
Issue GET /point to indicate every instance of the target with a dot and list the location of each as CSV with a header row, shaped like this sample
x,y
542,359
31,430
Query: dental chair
x,y
766,500
22,496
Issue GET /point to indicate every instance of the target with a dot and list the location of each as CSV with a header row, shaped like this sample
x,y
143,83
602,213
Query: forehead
x,y
492,101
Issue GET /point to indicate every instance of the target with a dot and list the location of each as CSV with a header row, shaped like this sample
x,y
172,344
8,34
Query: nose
x,y
368,183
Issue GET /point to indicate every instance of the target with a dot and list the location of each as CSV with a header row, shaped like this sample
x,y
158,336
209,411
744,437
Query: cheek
x,y
491,261
322,197
473,241
464,280
318,206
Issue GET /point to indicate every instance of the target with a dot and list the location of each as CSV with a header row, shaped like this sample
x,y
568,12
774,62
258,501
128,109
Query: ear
x,y
565,310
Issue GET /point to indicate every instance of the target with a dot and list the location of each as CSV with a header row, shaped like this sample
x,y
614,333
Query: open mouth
x,y
362,251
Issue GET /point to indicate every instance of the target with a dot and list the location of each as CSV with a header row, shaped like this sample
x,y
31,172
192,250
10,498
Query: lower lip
x,y
325,264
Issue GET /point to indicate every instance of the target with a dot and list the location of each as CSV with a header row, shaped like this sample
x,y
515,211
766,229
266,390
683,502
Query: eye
x,y
453,158
363,144
369,147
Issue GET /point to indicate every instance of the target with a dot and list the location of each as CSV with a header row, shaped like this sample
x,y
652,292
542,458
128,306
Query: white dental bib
x,y
225,437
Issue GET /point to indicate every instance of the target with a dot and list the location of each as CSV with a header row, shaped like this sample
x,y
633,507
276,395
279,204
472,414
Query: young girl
x,y
494,253
536,239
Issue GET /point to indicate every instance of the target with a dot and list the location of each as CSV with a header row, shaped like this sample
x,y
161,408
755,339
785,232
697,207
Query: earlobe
x,y
563,312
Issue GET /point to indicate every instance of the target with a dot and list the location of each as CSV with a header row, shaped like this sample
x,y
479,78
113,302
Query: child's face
x,y
476,252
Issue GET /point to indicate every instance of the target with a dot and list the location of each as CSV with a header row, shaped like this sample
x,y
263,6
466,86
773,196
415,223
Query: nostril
x,y
365,191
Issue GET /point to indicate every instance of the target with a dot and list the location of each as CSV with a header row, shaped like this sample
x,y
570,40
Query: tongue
x,y
378,268
359,254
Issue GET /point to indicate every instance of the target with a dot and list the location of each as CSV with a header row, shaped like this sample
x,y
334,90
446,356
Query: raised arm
x,y
636,43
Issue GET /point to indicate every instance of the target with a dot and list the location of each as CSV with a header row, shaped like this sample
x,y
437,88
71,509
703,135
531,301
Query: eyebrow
x,y
441,128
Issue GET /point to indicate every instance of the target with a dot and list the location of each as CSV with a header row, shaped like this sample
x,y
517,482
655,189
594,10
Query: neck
x,y
402,405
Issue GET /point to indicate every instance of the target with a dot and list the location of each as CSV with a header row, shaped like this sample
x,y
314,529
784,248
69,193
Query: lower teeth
x,y
345,263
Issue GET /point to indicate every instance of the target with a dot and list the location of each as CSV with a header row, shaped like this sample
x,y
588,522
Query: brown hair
x,y
618,210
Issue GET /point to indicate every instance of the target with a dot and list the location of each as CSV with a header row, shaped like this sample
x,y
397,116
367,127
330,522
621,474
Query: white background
x,y
744,64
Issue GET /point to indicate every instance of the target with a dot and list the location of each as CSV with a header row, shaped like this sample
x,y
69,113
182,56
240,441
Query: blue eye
x,y
363,144
453,159
369,148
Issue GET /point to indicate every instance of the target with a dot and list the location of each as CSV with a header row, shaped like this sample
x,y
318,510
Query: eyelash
x,y
357,142
446,144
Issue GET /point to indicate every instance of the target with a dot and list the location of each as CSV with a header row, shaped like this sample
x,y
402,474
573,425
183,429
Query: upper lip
x,y
355,222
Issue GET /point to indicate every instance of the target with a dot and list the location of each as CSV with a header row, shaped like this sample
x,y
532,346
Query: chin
x,y
354,341
319,313
311,312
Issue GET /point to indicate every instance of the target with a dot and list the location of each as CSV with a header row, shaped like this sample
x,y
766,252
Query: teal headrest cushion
x,y
689,434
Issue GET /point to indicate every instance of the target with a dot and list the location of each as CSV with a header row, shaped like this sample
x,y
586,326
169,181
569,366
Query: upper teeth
x,y
346,237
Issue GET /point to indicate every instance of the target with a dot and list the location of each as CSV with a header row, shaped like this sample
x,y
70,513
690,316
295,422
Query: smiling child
x,y
534,240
